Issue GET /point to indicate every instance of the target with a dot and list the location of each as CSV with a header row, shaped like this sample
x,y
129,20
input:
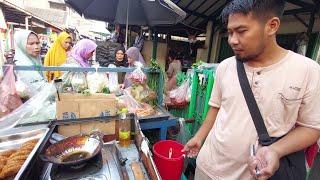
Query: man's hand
x,y
193,147
266,162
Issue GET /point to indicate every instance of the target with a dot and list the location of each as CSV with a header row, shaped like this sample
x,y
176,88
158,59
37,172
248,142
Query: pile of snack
x,y
12,160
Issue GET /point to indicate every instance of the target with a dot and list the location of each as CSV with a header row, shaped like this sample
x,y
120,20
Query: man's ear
x,y
272,26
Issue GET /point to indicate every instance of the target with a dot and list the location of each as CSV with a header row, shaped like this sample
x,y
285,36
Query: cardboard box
x,y
73,106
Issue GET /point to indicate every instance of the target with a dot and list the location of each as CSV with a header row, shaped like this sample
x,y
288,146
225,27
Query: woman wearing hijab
x,y
121,60
134,56
81,53
27,53
57,54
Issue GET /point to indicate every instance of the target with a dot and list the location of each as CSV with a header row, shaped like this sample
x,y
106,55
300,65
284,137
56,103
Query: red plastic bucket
x,y
169,168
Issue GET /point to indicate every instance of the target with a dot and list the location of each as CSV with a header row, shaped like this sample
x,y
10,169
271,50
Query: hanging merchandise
x,y
113,80
138,76
38,108
9,98
179,96
97,81
79,82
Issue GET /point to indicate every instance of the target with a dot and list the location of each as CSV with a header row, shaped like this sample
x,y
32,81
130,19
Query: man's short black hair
x,y
263,9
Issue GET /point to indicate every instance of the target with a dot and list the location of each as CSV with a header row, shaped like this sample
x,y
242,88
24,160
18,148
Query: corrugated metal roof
x,y
201,11
56,17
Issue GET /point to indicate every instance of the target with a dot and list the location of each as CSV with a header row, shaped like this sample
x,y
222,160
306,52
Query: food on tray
x,y
12,160
146,110
7,153
142,93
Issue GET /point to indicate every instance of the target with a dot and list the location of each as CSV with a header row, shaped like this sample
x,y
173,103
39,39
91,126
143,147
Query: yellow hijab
x,y
56,56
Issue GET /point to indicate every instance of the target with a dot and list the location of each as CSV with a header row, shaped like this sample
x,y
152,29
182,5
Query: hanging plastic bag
x,y
138,76
22,89
96,81
66,79
113,79
180,94
9,98
39,108
79,82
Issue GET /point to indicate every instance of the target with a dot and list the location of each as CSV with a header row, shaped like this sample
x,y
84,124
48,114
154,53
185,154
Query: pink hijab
x,y
81,50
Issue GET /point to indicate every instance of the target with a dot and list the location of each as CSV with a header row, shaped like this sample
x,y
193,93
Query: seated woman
x,y
57,54
81,53
27,53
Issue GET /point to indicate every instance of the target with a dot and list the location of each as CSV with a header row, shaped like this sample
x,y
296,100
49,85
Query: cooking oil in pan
x,y
75,156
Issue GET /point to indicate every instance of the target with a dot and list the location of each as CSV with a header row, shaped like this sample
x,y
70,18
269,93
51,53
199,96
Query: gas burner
x,y
71,172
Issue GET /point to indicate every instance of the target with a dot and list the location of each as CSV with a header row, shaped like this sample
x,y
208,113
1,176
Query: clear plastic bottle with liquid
x,y
124,129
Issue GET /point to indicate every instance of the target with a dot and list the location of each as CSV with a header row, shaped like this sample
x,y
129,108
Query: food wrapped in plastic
x,y
9,98
96,82
138,76
74,82
113,79
146,110
131,104
79,82
142,93
39,108
179,96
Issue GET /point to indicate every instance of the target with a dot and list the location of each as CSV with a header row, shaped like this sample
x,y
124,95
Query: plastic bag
x,y
142,93
39,108
138,76
79,82
131,104
96,82
113,80
180,94
22,89
9,98
66,79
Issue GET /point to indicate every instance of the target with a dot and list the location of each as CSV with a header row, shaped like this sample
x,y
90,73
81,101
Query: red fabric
x,y
311,153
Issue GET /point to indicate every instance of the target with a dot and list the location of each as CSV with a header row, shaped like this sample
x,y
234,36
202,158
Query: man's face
x,y
246,36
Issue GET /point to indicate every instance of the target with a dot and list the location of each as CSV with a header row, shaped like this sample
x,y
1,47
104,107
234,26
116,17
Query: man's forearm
x,y
298,139
208,123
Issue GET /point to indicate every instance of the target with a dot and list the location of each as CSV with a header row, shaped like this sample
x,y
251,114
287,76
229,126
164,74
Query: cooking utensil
x,y
253,153
170,153
73,151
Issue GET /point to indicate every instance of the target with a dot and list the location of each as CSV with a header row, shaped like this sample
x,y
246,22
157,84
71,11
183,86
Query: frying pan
x,y
73,151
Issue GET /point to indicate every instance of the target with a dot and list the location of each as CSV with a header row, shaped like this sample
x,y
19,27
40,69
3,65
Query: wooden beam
x,y
214,3
311,24
301,3
301,20
191,1
196,8
194,13
297,11
215,15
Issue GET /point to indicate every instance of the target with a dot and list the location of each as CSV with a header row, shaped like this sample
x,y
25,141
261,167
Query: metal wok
x,y
73,151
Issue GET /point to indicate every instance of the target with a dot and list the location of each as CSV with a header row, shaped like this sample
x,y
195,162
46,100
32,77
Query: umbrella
x,y
130,12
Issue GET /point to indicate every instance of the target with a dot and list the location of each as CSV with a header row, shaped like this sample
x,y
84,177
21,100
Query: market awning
x,y
201,11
